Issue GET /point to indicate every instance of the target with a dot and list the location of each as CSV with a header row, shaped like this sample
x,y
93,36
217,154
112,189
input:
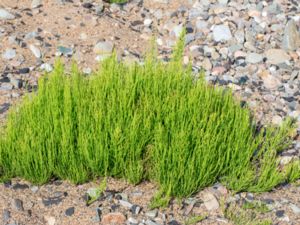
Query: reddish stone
x,y
113,219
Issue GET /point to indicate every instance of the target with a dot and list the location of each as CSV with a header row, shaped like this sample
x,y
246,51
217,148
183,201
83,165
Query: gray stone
x,y
177,30
254,58
125,203
104,47
291,38
152,213
30,35
36,3
6,86
17,205
5,215
150,222
35,51
5,15
17,83
34,189
200,24
223,2
133,221
70,211
47,67
9,54
295,209
221,33
210,201
65,51
162,1
276,56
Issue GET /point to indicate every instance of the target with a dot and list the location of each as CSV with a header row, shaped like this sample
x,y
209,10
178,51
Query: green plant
x,y
241,216
195,219
117,1
154,121
98,193
258,206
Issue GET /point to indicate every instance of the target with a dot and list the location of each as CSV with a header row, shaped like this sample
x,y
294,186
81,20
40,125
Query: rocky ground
x,y
251,46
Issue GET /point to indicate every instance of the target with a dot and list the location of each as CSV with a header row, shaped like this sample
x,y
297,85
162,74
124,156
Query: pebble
x,y
295,209
221,33
9,54
276,56
50,220
35,51
113,218
70,211
210,201
254,58
104,47
125,204
36,3
133,221
17,205
152,213
291,38
6,215
61,50
5,15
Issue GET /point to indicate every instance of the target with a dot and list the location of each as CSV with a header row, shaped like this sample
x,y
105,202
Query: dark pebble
x,y
6,215
18,186
173,222
24,70
70,211
52,201
279,213
135,209
18,205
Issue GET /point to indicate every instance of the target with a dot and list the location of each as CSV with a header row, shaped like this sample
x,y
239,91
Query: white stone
x,y
35,51
221,33
5,15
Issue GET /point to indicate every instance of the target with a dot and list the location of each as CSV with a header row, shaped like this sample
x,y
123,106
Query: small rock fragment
x,y
210,201
221,33
35,51
5,15
17,205
70,211
113,218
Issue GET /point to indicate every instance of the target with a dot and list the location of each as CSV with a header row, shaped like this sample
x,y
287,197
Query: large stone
x,y
5,15
104,47
221,33
9,54
276,56
270,81
113,218
291,38
254,58
36,3
210,201
35,51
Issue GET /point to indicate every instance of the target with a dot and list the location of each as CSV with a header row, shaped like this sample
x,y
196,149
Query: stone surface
x,y
104,47
291,38
221,33
276,56
5,15
113,218
210,201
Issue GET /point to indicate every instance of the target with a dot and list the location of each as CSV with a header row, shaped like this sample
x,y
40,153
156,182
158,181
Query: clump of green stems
x,y
154,121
